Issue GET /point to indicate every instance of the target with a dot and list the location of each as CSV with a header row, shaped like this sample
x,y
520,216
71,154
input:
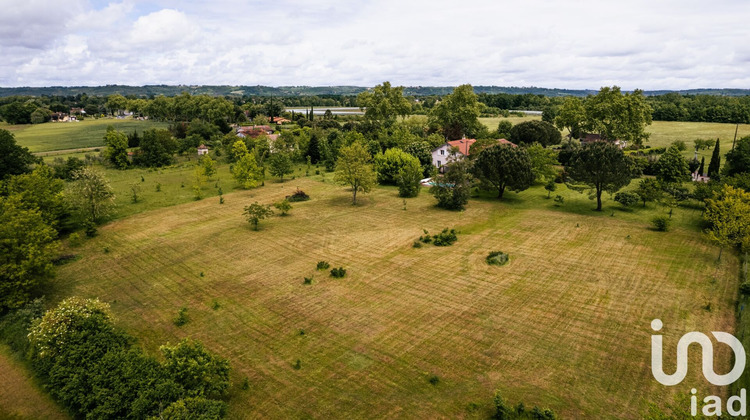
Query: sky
x,y
585,44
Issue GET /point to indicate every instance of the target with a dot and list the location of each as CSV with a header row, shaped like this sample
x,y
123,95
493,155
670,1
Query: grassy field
x,y
20,396
564,325
74,135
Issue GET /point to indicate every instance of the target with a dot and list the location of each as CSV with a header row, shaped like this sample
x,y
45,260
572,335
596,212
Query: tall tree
x,y
452,188
457,114
571,116
503,166
41,191
600,166
117,148
729,218
702,167
715,164
27,245
738,159
157,148
384,103
672,168
353,168
543,162
279,165
14,159
91,195
535,132
246,170
618,117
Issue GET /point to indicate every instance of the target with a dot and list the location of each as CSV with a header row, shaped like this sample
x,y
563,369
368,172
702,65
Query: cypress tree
x,y
702,167
313,149
715,164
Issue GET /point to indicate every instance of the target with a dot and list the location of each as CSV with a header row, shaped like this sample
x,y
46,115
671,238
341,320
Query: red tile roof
x,y
463,145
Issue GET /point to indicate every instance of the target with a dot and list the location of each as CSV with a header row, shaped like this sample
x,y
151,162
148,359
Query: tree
x,y
283,206
256,212
27,245
600,166
457,114
40,115
452,188
313,148
672,168
194,408
738,159
409,177
649,189
503,129
157,148
116,103
388,164
200,372
615,116
543,161
14,159
702,167
245,170
208,166
41,191
353,168
280,165
627,198
503,166
535,132
715,164
117,148
729,218
91,195
571,116
383,104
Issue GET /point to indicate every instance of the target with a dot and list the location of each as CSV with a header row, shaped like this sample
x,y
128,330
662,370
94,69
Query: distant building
x,y
592,138
254,131
202,150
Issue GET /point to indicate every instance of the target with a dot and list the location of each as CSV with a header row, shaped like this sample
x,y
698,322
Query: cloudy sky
x,y
651,44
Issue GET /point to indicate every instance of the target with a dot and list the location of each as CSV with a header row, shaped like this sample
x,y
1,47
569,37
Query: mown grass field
x,y
74,135
20,396
564,325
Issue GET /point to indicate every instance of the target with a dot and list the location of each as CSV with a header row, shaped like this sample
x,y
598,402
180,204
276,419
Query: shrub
x,y
323,265
497,258
559,200
298,195
661,223
181,318
434,380
417,244
283,206
297,365
215,305
338,272
445,238
75,239
245,384
627,198
745,288
308,280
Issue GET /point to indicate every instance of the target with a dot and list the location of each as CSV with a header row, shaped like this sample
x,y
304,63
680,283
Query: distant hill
x,y
172,90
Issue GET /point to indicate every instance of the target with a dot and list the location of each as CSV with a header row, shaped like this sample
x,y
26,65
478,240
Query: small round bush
x,y
497,258
323,265
338,272
661,223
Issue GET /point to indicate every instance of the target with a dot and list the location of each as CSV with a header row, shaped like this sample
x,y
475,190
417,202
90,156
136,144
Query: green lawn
x,y
564,325
20,395
74,135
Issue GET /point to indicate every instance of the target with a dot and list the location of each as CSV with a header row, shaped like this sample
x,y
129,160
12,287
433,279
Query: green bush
x,y
627,198
417,244
181,318
445,238
323,265
661,223
308,280
338,272
497,258
75,239
298,195
745,288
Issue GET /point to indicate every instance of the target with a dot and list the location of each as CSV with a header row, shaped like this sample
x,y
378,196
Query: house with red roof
x,y
456,149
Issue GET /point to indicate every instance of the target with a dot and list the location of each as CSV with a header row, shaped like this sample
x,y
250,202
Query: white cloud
x,y
571,44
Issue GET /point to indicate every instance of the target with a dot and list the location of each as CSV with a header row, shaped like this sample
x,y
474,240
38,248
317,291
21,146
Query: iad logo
x,y
713,404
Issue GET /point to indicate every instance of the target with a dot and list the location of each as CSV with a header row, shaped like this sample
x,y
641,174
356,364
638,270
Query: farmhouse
x,y
591,138
456,149
202,150
254,131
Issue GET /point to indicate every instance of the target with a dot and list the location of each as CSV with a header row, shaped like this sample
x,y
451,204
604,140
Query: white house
x,y
202,150
456,149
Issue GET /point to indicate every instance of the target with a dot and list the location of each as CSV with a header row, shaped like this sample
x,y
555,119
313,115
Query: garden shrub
x,y
338,272
661,223
497,258
298,195
323,265
445,238
627,198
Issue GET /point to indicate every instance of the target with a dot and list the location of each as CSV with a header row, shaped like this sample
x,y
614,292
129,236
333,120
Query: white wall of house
x,y
442,155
